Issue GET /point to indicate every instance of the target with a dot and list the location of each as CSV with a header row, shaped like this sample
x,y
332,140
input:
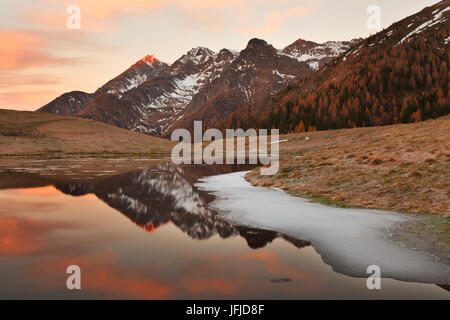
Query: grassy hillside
x,y
399,167
24,133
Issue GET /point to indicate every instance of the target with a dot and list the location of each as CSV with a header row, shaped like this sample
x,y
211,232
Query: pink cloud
x,y
9,80
26,99
20,49
25,49
101,16
275,18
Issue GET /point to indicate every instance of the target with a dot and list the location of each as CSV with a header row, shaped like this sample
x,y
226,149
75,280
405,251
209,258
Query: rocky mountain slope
x,y
155,98
75,102
316,54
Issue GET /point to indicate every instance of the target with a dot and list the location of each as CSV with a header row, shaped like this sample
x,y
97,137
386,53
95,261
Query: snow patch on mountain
x,y
283,76
314,65
184,91
314,53
198,55
134,82
437,18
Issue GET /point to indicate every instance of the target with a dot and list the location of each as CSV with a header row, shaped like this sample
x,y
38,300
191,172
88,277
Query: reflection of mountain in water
x,y
153,197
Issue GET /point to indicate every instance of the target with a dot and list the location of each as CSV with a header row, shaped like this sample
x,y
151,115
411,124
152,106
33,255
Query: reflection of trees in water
x,y
153,197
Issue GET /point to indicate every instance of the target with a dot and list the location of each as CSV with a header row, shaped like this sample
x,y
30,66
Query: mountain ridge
x,y
153,97
397,75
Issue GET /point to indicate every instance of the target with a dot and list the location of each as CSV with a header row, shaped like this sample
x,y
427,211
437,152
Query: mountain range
x,y
154,98
398,75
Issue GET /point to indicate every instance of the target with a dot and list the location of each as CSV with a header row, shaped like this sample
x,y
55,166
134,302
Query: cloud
x,y
275,18
10,79
21,49
25,51
26,99
38,40
246,17
96,16
195,20
102,16
30,59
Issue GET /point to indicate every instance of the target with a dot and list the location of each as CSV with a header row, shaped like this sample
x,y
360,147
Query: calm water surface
x,y
151,234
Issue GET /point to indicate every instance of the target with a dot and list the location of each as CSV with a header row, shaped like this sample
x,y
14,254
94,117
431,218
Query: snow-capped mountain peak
x,y
198,55
317,54
150,60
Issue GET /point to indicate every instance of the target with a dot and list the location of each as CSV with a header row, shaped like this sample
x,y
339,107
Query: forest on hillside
x,y
398,84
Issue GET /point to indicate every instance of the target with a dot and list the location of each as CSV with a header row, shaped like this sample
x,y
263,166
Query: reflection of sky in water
x,y
187,253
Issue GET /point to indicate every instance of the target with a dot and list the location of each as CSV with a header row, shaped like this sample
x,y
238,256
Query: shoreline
x,y
430,234
402,168
347,239
420,234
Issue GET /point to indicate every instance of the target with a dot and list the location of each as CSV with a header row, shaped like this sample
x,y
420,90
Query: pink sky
x,y
41,58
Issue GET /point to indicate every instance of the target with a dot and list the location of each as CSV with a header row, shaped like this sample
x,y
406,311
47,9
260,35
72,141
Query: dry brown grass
x,y
24,133
402,167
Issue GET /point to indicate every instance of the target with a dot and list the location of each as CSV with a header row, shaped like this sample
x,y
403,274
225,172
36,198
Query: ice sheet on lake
x,y
349,240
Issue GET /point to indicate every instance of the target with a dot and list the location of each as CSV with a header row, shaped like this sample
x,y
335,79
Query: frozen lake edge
x,y
349,240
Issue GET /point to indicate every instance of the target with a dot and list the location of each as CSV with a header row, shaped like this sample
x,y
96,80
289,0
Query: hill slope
x,y
38,133
402,167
